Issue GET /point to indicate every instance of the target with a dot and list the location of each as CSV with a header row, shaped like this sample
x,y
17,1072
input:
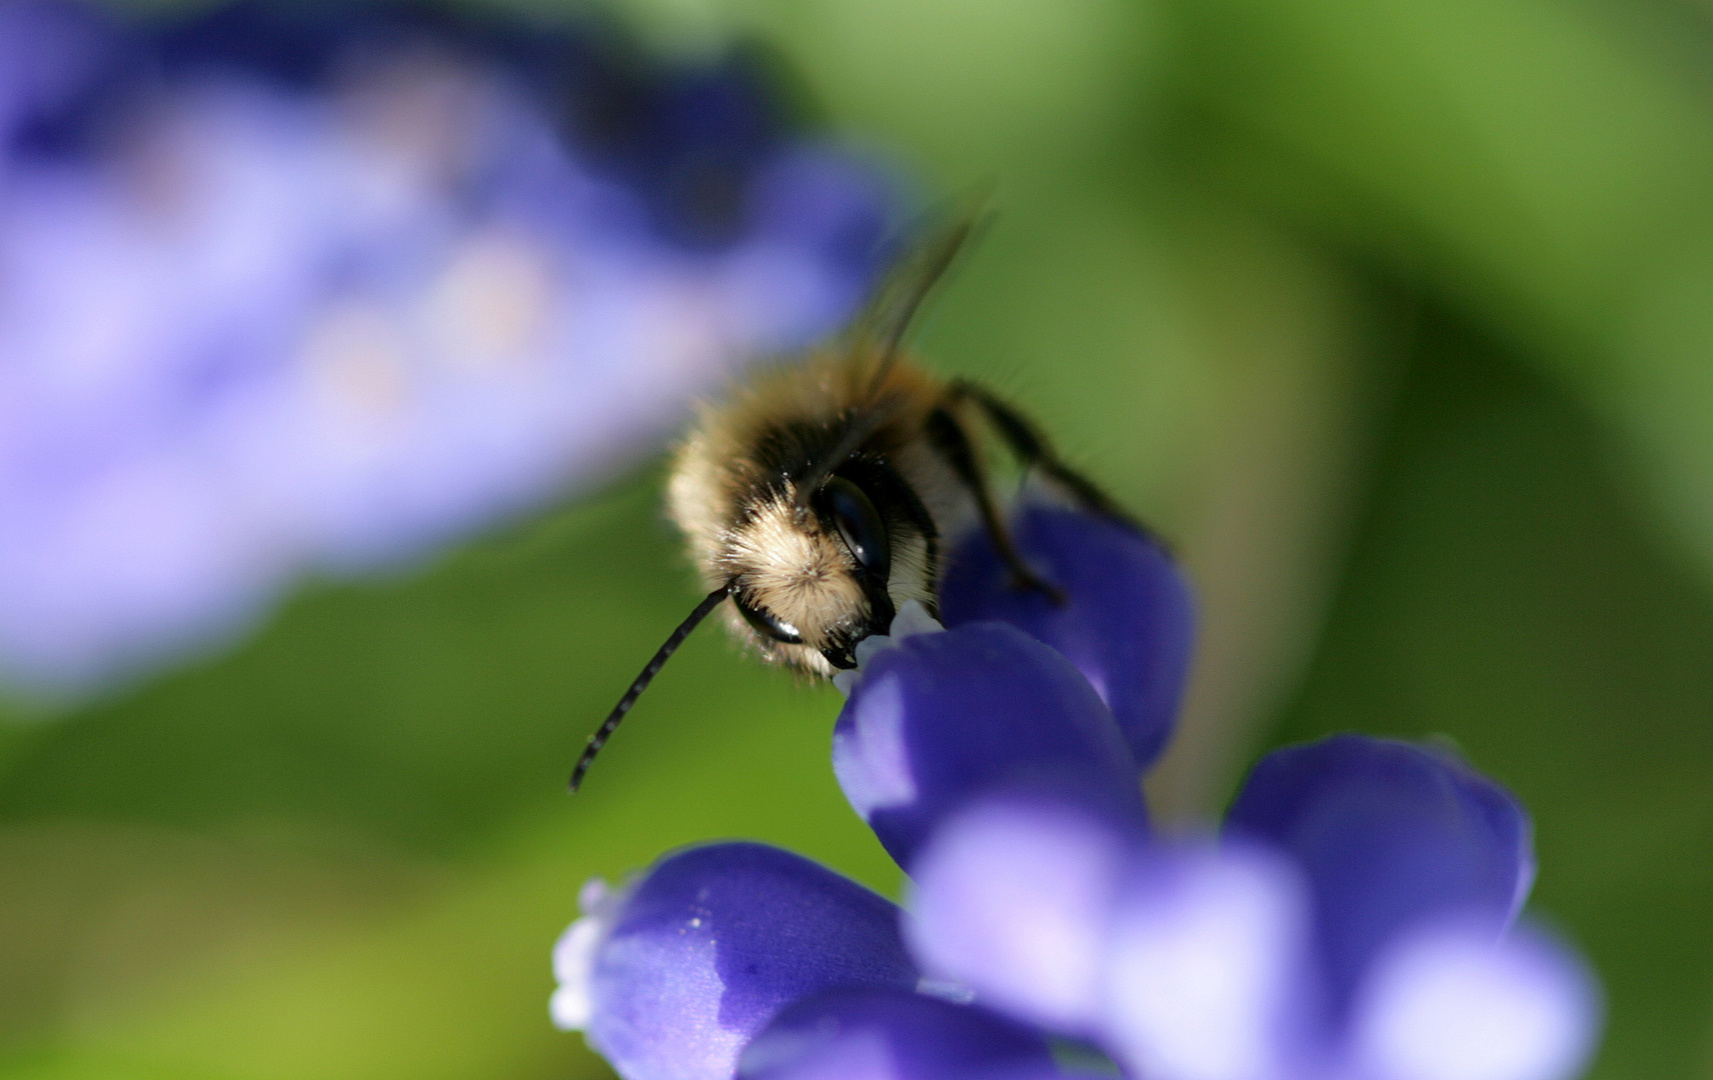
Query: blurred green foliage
x,y
1398,317
1503,594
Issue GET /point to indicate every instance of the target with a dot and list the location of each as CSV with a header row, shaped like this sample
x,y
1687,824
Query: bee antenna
x,y
909,284
661,655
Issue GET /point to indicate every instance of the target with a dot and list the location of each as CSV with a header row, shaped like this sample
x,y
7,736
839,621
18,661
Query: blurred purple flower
x,y
1355,921
1387,835
1184,961
305,287
1362,932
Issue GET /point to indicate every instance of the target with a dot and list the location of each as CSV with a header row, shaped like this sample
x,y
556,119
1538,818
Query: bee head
x,y
812,575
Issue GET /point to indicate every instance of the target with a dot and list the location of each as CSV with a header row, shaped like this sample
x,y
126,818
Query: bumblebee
x,y
818,498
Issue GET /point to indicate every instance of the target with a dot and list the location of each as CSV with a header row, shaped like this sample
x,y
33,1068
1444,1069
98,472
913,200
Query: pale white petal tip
x,y
593,894
911,620
574,956
1449,1003
1204,959
1013,901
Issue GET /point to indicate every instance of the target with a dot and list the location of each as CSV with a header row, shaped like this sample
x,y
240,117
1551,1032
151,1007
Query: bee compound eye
x,y
859,524
767,623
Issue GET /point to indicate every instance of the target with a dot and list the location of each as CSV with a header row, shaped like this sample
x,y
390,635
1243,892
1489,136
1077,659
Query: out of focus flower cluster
x,y
1356,918
317,286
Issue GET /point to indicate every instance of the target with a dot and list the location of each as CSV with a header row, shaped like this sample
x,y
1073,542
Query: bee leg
x,y
952,442
1033,452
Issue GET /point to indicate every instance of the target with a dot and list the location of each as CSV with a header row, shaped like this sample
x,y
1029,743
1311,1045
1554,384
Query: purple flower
x,y
674,975
1354,921
1362,947
903,748
1078,696
288,288
1389,835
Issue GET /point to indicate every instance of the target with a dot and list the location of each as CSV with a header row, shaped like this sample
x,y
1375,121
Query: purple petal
x,y
1127,624
944,717
891,1035
48,51
707,948
1448,1003
1014,899
1207,974
1389,834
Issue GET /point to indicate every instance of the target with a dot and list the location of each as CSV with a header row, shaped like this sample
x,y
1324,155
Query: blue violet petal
x,y
1128,620
1390,834
714,941
947,716
891,1035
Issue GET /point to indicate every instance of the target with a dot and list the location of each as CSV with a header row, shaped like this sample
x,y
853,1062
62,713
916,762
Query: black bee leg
x,y
952,442
1034,452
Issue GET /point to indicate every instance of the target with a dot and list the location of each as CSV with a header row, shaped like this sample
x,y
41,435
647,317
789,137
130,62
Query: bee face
x,y
811,572
797,585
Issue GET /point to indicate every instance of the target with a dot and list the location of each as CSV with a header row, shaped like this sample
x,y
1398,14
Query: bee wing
x,y
881,327
874,336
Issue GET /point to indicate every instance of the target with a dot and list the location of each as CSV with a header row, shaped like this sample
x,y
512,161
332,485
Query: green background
x,y
1395,316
